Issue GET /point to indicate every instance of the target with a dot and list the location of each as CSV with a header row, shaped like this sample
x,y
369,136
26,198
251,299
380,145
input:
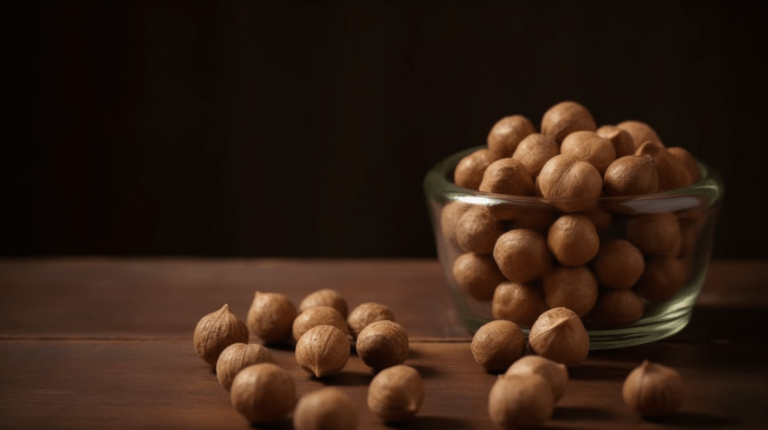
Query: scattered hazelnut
x,y
640,132
653,390
506,134
323,350
382,344
534,151
216,331
574,288
565,176
271,316
522,255
615,308
497,344
618,264
662,279
396,393
687,160
325,409
520,401
555,373
590,147
565,118
655,234
519,303
477,275
237,356
672,172
507,176
559,335
449,219
478,230
469,171
325,297
318,315
263,393
573,240
365,314
621,140
631,175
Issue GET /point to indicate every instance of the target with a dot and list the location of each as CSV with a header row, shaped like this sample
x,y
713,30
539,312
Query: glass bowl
x,y
693,209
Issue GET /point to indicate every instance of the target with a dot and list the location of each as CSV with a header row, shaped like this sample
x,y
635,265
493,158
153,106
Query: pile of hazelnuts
x,y
565,250
324,333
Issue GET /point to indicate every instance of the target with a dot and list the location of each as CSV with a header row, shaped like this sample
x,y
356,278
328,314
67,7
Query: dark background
x,y
305,129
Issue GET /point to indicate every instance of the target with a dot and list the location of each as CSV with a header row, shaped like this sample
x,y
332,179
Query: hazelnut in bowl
x,y
605,221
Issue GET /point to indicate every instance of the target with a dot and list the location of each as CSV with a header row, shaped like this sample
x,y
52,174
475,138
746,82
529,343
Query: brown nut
x,y
673,174
615,308
574,288
555,373
590,147
237,356
520,401
522,255
621,140
600,219
687,160
263,393
477,275
396,393
640,132
655,234
216,331
469,171
318,315
382,344
323,350
631,175
506,134
498,344
573,240
325,297
519,303
618,264
662,279
565,118
653,390
325,409
507,176
565,176
449,219
478,230
534,151
559,335
271,316
365,314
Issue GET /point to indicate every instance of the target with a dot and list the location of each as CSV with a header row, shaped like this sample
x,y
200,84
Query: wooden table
x,y
107,343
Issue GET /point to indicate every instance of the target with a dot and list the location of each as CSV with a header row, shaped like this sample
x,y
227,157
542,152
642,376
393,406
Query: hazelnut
x,y
325,297
365,314
640,132
565,176
655,234
559,335
653,390
323,350
478,230
618,264
469,171
449,219
507,176
573,240
396,393
263,393
520,401
497,344
574,288
237,356
555,373
506,134
690,235
522,255
662,279
325,409
216,331
600,219
590,147
519,303
614,308
534,151
687,160
382,344
673,174
631,175
477,275
271,316
318,315
565,118
621,140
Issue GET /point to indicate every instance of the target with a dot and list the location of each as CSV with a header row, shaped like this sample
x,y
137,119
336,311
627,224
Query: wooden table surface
x,y
107,343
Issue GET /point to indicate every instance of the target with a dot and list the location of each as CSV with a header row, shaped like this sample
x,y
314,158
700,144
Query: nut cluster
x,y
569,252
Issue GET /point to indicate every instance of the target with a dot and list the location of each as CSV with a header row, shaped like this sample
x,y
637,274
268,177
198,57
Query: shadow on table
x,y
694,420
743,324
427,422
